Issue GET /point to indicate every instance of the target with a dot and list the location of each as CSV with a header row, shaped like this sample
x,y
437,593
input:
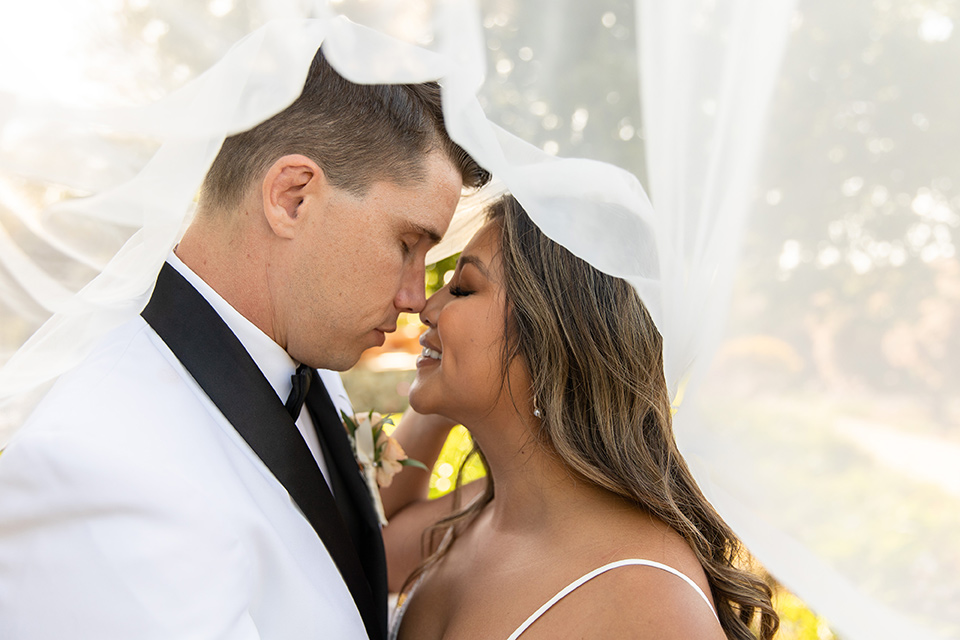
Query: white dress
x,y
395,627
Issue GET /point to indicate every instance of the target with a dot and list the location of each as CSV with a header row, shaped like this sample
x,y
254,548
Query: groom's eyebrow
x,y
431,234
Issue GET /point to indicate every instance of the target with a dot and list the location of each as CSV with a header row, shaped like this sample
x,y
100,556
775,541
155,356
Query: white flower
x,y
380,456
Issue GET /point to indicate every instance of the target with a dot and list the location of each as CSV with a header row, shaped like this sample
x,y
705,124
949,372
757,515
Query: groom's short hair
x,y
358,134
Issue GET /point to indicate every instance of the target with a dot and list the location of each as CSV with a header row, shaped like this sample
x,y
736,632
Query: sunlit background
x,y
831,405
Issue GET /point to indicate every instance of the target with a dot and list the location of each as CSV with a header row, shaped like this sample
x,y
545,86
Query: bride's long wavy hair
x,y
595,358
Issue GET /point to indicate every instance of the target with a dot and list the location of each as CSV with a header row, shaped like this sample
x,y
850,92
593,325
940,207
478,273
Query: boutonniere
x,y
380,457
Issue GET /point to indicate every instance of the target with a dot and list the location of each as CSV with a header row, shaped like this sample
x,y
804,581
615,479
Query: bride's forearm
x,y
422,438
405,501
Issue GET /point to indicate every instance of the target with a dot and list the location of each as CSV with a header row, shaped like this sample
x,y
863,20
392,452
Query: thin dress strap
x,y
596,572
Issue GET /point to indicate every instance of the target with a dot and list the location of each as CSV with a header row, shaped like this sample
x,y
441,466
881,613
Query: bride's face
x,y
460,372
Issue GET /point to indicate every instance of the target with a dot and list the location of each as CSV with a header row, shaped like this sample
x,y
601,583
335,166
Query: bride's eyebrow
x,y
476,262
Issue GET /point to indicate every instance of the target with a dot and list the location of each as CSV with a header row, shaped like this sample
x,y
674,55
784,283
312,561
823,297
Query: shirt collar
x,y
276,364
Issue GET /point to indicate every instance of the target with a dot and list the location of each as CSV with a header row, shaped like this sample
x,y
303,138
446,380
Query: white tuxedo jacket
x,y
130,507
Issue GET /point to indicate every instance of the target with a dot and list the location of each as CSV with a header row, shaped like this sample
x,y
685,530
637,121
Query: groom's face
x,y
364,264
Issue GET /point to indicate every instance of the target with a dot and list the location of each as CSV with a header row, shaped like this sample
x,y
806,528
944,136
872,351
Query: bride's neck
x,y
534,489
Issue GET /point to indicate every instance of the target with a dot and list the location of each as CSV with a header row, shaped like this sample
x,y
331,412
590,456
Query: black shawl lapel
x,y
351,490
228,375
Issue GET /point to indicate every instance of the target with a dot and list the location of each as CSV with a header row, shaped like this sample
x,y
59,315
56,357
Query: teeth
x,y
430,353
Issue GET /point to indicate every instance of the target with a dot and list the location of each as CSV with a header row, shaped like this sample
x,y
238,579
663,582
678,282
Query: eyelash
x,y
457,292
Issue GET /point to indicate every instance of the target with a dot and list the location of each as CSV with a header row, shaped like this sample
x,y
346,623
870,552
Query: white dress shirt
x,y
276,364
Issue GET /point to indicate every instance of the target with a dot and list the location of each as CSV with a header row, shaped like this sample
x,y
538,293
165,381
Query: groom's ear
x,y
290,187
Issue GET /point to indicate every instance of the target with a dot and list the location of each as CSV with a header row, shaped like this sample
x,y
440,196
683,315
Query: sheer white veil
x,y
798,257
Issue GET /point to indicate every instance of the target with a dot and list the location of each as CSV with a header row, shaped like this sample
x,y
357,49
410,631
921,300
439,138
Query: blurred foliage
x,y
437,273
799,456
383,391
455,452
796,621
851,253
589,109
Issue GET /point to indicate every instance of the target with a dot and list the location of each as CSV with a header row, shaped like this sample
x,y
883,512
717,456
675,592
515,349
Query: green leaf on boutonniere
x,y
349,423
410,462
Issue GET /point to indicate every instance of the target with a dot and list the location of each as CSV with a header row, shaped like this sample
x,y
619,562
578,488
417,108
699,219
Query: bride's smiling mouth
x,y
430,354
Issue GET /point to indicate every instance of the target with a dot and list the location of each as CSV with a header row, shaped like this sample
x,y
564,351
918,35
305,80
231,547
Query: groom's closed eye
x,y
408,243
420,232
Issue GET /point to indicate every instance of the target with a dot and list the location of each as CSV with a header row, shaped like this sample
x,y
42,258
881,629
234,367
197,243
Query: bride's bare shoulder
x,y
638,600
657,604
633,601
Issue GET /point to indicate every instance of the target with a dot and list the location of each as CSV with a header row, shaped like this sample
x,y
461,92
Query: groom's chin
x,y
345,362
347,356
342,360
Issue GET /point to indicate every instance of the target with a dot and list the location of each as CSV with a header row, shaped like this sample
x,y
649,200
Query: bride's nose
x,y
431,309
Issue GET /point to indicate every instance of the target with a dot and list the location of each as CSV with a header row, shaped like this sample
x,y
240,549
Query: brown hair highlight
x,y
357,134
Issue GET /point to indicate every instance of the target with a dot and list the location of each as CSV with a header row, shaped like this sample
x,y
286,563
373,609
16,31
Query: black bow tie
x,y
301,385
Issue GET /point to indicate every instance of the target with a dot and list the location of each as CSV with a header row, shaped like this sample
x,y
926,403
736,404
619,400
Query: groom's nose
x,y
411,296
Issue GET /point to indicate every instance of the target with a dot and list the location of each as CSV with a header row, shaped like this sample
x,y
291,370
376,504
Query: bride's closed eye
x,y
458,291
457,288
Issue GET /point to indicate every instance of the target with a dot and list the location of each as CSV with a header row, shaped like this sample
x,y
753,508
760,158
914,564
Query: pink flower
x,y
390,458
